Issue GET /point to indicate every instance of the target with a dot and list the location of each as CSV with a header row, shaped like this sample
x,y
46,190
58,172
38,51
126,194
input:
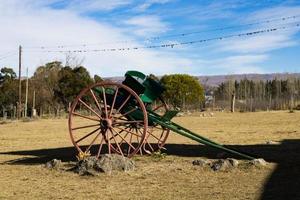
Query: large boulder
x,y
106,164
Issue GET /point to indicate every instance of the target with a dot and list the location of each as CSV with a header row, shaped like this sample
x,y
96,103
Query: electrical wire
x,y
171,45
157,38
4,56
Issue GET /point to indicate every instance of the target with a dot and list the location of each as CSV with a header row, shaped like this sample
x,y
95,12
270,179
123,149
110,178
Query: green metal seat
x,y
148,88
134,80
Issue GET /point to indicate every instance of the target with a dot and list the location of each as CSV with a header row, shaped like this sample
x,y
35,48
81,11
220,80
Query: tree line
x,y
250,95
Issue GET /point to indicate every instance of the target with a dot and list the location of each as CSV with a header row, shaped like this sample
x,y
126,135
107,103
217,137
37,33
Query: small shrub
x,y
158,155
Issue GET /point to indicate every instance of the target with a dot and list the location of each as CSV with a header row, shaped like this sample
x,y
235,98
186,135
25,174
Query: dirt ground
x,y
274,136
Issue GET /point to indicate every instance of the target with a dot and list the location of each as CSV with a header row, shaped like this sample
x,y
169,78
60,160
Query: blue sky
x,y
101,24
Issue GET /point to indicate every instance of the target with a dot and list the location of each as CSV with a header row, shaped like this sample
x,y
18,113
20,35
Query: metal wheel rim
x,y
111,130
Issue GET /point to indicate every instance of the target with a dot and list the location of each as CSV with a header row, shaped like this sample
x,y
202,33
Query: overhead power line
x,y
7,55
171,45
157,38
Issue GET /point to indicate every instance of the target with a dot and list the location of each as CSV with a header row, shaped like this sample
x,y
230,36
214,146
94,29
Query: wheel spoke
x,y
127,122
129,131
161,135
104,100
90,108
146,140
141,153
116,142
109,147
113,103
83,116
154,136
123,138
150,146
158,107
100,147
95,99
130,111
130,140
87,126
87,135
124,103
93,142
119,133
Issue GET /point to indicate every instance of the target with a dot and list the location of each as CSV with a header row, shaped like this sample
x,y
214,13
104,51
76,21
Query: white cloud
x,y
268,41
147,25
97,5
274,12
28,26
260,43
33,24
147,4
239,64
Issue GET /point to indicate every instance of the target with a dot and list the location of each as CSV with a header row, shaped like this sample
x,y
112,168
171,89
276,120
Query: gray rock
x,y
86,166
224,164
269,142
110,162
258,162
54,164
233,162
200,162
106,163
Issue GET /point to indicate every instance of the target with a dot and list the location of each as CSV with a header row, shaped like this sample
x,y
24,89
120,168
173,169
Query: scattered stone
x,y
233,162
54,164
224,164
106,164
270,142
221,165
258,162
211,114
200,162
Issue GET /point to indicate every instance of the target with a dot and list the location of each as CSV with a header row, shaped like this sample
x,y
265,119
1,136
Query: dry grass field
x,y
26,146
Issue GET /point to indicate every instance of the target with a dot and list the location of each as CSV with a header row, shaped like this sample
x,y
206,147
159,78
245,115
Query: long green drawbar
x,y
189,134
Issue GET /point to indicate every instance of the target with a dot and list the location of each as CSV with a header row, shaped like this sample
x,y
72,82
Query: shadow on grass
x,y
284,182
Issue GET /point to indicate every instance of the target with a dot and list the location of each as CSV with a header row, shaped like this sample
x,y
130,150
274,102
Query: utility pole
x,y
26,94
33,105
20,84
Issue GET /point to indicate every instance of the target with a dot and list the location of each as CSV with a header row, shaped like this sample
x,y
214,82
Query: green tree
x,y
70,83
45,82
8,89
183,91
97,78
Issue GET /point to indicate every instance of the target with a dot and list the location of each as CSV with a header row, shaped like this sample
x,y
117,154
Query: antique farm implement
x,y
126,118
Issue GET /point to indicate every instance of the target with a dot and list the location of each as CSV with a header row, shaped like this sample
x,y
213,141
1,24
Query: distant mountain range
x,y
215,80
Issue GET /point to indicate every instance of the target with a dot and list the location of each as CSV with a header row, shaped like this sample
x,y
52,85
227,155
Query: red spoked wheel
x,y
104,118
156,134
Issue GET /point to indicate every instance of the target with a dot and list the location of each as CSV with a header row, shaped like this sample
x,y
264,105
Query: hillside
x,y
215,80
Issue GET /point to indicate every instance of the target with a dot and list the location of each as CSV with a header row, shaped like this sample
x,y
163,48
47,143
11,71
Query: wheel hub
x,y
106,123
